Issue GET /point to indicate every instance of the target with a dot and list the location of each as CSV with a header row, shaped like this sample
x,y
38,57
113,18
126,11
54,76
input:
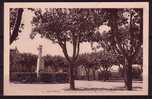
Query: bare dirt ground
x,y
82,88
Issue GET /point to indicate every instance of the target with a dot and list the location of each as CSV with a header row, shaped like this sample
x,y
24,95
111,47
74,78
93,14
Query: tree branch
x,y
78,47
74,42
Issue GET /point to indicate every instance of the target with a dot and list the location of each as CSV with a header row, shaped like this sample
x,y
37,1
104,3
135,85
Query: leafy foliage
x,y
95,60
55,62
22,62
125,35
59,24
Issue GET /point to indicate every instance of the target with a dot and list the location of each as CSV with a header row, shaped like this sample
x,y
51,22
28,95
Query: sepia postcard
x,y
76,48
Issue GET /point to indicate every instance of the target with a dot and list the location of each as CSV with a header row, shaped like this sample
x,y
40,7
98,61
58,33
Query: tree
x,y
60,63
56,62
88,61
62,25
15,23
48,62
14,56
93,62
27,61
106,60
22,62
131,43
125,37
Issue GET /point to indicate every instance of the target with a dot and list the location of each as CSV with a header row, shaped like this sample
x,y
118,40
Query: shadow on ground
x,y
104,89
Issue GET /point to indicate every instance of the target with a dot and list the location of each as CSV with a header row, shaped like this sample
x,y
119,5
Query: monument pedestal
x,y
40,62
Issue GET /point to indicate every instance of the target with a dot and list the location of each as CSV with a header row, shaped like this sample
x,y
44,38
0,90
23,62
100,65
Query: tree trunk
x,y
128,76
88,74
94,76
17,23
71,77
76,47
76,73
104,75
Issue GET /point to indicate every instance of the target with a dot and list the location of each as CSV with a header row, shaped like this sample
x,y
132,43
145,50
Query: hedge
x,y
45,77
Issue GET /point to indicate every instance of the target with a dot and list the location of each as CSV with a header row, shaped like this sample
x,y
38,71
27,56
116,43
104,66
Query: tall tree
x,y
130,43
62,25
125,37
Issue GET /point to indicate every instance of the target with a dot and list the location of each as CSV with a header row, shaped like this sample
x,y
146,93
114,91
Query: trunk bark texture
x,y
128,75
72,77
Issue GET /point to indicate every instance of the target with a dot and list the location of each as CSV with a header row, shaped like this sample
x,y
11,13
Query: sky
x,y
26,45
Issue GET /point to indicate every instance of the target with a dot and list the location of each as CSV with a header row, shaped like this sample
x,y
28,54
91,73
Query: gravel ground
x,y
82,88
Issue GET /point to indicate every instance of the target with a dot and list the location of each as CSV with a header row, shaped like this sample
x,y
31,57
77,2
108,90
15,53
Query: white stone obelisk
x,y
39,60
